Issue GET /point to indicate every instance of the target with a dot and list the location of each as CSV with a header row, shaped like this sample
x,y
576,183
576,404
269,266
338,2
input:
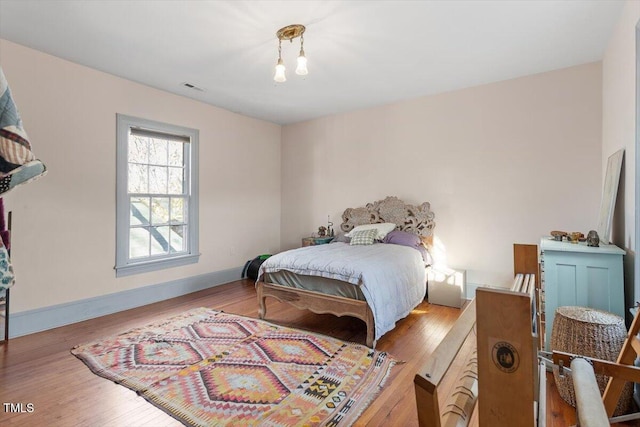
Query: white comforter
x,y
392,277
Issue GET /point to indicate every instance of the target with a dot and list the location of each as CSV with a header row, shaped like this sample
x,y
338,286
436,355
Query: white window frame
x,y
124,265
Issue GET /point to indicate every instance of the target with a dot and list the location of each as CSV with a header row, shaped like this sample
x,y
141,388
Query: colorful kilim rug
x,y
209,368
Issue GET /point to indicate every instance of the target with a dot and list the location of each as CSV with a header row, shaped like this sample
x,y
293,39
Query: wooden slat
x,y
607,368
461,398
432,372
517,282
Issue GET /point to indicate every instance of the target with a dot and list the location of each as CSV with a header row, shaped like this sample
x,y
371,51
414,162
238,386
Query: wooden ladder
x,y
628,354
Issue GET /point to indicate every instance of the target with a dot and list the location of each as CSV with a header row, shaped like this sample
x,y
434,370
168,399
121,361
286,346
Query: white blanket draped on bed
x,y
392,277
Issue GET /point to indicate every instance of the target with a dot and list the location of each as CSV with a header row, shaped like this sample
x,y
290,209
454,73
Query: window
x,y
157,196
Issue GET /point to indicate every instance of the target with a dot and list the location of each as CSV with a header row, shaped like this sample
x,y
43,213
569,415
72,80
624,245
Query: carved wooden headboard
x,y
410,218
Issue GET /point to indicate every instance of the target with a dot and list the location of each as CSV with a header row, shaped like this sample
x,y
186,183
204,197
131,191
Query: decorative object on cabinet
x,y
558,235
593,239
580,275
322,231
575,236
609,192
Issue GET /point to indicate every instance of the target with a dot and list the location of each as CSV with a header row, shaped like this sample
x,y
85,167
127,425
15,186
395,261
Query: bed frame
x,y
418,220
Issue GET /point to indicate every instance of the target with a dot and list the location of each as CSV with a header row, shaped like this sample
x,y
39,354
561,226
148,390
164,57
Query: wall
x,y
64,224
619,131
499,163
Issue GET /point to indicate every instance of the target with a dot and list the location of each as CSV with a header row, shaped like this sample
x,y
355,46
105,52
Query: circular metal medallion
x,y
290,32
505,356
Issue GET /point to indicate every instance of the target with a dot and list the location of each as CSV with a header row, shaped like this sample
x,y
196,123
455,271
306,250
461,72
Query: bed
x,y
378,283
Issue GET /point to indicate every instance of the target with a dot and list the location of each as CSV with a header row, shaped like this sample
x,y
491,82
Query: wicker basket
x,y
592,333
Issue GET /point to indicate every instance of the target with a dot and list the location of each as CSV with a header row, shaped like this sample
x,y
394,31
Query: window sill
x,y
149,266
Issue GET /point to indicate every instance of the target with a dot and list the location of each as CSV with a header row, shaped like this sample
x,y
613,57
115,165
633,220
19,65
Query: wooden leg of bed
x,y
262,307
371,329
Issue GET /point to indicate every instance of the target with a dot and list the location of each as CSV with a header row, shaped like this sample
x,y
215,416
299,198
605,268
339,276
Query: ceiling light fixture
x,y
290,32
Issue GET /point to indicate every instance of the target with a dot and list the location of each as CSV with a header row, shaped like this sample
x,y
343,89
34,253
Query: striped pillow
x,y
364,237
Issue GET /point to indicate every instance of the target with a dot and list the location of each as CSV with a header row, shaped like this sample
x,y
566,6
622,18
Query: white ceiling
x,y
360,53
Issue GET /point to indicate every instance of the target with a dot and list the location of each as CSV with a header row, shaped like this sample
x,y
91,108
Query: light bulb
x,y
280,76
301,69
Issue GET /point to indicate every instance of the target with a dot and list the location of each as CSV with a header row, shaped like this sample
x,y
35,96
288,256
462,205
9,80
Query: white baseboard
x,y
42,319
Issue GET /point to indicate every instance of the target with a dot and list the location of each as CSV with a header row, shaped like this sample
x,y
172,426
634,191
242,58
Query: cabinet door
x,y
582,279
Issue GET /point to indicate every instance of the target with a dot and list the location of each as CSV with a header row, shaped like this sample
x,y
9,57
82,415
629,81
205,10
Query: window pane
x,y
157,195
138,178
177,210
176,150
138,243
159,240
138,149
157,180
158,152
160,210
140,211
178,242
175,181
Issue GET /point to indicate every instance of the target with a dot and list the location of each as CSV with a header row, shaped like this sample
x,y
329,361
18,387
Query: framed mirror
x,y
609,192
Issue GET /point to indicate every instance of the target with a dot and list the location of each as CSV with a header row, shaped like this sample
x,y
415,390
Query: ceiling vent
x,y
191,86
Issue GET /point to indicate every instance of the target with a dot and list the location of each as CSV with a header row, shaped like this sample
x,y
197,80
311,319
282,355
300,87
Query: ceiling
x,y
360,53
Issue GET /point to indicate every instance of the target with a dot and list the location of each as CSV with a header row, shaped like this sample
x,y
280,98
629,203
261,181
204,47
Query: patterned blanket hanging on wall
x,y
18,164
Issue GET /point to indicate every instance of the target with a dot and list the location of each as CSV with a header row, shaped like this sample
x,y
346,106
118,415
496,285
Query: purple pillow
x,y
398,237
403,238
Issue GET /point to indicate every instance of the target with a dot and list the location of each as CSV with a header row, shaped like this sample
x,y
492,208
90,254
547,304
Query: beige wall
x,y
500,163
619,131
64,224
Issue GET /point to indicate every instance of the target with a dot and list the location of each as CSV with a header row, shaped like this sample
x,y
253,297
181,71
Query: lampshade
x,y
301,69
280,77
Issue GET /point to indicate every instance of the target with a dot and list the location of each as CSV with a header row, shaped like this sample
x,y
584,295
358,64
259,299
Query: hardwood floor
x,y
39,369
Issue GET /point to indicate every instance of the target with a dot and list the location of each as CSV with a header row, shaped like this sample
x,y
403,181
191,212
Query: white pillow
x,y
382,228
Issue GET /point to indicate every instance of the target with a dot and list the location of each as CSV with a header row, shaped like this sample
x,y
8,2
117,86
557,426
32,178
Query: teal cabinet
x,y
579,275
